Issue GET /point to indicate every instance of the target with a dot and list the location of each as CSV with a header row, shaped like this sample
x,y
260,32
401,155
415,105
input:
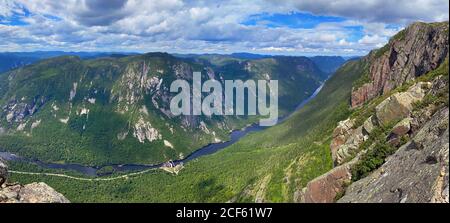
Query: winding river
x,y
93,171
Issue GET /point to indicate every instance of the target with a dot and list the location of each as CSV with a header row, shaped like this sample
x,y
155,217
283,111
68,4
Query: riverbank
x,y
96,171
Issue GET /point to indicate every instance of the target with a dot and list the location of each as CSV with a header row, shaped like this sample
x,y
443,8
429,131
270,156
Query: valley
x,y
94,115
348,143
91,171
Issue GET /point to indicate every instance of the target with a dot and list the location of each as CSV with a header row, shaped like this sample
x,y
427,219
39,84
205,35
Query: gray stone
x,y
402,127
399,105
414,173
31,193
340,135
40,193
351,146
369,124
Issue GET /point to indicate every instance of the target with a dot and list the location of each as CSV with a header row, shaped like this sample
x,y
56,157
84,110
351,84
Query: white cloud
x,y
399,11
277,49
373,40
197,26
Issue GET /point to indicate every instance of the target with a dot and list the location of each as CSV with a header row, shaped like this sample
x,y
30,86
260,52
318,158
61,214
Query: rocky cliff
x,y
417,172
30,193
411,53
394,145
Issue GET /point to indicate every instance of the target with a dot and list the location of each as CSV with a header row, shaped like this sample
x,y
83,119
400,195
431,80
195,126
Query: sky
x,y
276,27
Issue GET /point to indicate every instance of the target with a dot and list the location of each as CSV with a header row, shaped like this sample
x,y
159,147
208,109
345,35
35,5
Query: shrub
x,y
372,160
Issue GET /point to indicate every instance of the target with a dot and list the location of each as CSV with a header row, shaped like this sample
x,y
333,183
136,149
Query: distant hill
x,y
12,60
328,64
117,109
249,56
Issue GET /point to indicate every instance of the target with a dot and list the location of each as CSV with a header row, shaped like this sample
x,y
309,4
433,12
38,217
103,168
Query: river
x,y
93,171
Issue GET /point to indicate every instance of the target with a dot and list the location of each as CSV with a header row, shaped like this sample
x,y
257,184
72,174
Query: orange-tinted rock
x,y
412,53
325,188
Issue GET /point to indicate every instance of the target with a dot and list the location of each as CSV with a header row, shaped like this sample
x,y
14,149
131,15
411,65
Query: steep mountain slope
x,y
414,51
422,162
251,170
405,122
328,64
267,166
116,110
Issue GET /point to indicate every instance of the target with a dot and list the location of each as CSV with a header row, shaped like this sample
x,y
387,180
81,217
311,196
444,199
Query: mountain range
x,y
115,110
378,125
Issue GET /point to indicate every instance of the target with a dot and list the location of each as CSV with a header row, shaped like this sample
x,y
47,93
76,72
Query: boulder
x,y
31,193
369,124
403,127
327,187
399,105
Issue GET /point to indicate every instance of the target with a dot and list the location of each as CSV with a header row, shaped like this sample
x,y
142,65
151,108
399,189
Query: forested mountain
x,y
117,109
378,126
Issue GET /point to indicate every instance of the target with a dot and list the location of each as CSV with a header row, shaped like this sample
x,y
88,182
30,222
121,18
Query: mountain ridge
x,y
109,105
327,151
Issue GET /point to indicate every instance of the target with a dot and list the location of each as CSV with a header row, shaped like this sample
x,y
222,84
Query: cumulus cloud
x,y
205,26
373,40
101,12
399,11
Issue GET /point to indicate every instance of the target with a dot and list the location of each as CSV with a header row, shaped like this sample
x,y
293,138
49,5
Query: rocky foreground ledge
x,y
29,193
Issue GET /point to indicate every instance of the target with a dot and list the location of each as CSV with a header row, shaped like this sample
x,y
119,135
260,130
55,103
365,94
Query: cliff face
x,y
411,53
417,172
30,193
394,145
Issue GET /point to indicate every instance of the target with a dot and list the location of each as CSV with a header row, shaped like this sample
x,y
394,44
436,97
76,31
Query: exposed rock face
x,y
340,135
346,140
16,111
400,105
144,131
370,124
417,172
325,188
30,193
134,84
351,146
402,127
329,186
413,52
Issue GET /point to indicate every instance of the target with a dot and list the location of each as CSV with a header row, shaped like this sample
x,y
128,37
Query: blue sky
x,y
295,20
288,27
